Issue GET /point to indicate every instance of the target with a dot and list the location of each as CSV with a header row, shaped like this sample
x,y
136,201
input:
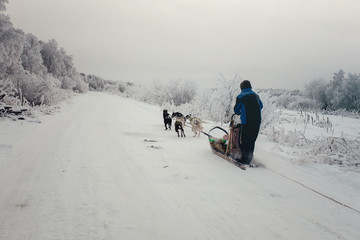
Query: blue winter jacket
x,y
248,106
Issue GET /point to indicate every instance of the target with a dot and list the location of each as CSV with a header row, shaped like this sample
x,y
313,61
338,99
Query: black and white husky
x,y
167,119
179,123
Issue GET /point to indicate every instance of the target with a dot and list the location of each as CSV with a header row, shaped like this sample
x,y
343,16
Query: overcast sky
x,y
273,43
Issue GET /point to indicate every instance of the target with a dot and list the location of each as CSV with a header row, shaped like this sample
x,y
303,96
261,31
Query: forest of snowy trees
x,y
342,92
34,72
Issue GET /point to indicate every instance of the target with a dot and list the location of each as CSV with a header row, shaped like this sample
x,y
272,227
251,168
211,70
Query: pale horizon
x,y
282,44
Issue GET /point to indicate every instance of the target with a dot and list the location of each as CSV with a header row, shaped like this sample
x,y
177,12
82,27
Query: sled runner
x,y
228,145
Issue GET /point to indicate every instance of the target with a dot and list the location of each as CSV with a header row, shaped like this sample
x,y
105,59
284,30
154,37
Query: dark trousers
x,y
248,136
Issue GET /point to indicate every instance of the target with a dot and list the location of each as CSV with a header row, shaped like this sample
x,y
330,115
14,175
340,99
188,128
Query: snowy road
x,y
87,173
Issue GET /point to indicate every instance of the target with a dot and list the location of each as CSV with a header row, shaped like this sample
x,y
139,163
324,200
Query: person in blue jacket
x,y
248,106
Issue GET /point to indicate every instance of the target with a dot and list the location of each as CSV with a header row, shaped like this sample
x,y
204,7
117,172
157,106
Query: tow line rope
x,y
303,185
315,191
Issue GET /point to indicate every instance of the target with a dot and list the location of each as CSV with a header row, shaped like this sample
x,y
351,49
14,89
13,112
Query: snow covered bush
x,y
121,87
270,114
95,83
335,150
2,4
316,90
138,92
31,59
67,83
340,93
11,46
295,100
223,99
57,62
288,138
7,87
37,91
31,71
299,102
214,104
32,90
175,92
201,106
80,85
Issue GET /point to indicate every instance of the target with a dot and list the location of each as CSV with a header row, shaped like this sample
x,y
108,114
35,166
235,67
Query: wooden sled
x,y
227,145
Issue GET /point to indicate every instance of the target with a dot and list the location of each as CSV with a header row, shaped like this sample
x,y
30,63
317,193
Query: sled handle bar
x,y
217,127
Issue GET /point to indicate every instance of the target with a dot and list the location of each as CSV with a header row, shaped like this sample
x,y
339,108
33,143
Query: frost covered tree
x,y
31,59
216,104
31,71
60,66
28,85
174,92
224,97
344,93
53,58
11,46
181,92
350,91
203,104
95,83
2,4
333,91
340,93
316,90
38,89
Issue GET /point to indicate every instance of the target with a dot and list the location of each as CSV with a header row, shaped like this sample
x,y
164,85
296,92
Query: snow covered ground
x,y
104,168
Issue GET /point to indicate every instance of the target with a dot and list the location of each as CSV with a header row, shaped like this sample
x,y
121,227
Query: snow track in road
x,y
88,173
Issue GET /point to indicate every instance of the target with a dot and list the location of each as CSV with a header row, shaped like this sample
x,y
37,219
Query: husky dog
x,y
167,119
196,124
179,123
